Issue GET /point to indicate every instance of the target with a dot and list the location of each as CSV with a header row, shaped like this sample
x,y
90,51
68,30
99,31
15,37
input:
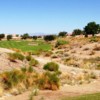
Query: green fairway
x,y
95,96
25,45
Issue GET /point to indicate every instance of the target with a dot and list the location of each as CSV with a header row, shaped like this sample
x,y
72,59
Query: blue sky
x,y
47,16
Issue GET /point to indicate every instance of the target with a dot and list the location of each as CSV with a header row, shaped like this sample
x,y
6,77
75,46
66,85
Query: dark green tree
x,y
17,35
2,36
9,37
62,34
25,36
77,32
91,28
34,37
49,37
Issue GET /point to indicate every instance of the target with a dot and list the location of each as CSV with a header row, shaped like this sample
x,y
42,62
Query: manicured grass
x,y
26,45
95,96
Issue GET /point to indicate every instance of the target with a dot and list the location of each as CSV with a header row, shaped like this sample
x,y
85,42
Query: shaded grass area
x,y
26,45
95,96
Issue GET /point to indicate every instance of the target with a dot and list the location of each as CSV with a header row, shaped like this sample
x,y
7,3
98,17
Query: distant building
x,y
14,36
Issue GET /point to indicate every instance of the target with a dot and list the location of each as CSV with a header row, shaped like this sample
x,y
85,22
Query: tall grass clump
x,y
33,62
93,39
51,66
61,42
17,81
12,78
49,80
28,58
15,56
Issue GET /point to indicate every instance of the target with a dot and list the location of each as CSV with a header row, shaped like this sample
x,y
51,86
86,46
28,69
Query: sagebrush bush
x,y
28,58
38,52
12,78
30,69
14,56
51,66
98,67
24,69
61,42
49,80
93,39
33,62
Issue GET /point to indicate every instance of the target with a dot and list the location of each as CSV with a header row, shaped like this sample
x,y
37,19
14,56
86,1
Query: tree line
x,y
91,28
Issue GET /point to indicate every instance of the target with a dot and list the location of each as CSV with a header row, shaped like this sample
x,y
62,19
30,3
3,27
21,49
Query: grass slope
x,y
95,96
24,45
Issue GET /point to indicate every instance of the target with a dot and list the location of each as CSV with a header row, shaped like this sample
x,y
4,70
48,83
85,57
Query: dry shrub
x,y
98,67
80,46
91,52
33,62
28,58
49,80
54,56
74,77
73,63
74,51
51,66
85,49
93,39
96,48
15,56
48,53
16,50
18,81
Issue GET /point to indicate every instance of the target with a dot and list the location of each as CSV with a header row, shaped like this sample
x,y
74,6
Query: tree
x,y
35,37
9,37
17,35
49,37
2,36
77,32
25,36
62,34
91,28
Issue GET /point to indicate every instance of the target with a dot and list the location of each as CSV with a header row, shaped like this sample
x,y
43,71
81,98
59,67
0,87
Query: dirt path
x,y
64,68
64,91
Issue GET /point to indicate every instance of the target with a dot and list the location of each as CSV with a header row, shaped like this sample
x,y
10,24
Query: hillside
x,y
79,67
